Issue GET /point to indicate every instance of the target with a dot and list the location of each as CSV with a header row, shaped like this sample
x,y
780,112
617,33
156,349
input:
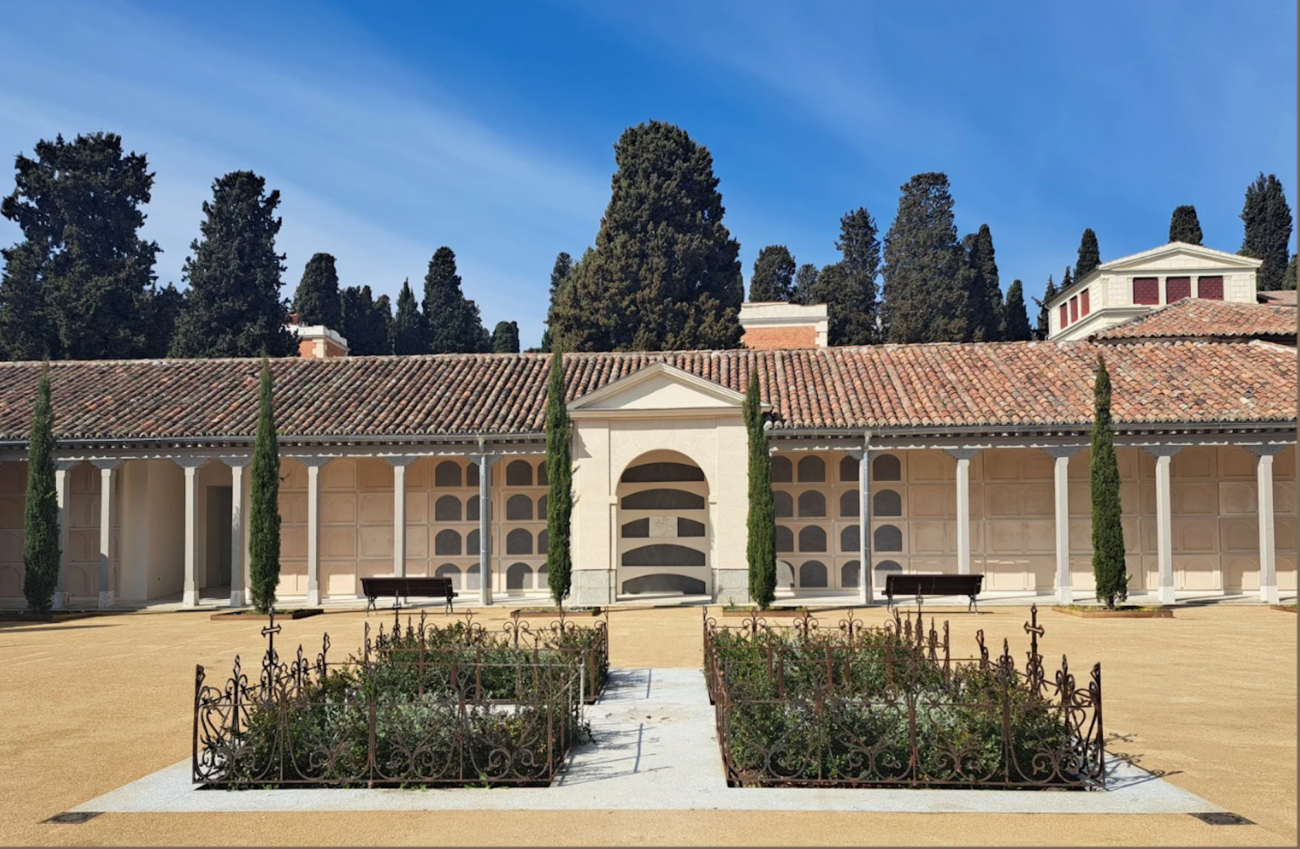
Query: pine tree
x,y
559,498
984,293
505,337
848,287
264,501
773,277
665,273
366,321
233,307
1043,328
317,300
81,269
1089,255
410,334
559,273
453,320
1108,566
925,299
805,284
41,552
760,549
1267,218
1184,226
1066,279
1015,317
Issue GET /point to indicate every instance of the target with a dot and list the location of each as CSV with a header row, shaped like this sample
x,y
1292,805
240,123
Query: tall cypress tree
x,y
41,552
1288,276
455,326
760,549
1043,327
410,333
773,277
984,292
264,501
1066,280
559,273
1267,218
1108,566
925,298
317,300
505,337
805,284
233,307
82,268
665,273
559,498
1015,316
1184,226
1089,255
167,303
366,321
848,287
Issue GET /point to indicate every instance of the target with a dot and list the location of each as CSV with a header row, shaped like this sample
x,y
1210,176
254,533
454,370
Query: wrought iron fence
x,y
851,705
421,705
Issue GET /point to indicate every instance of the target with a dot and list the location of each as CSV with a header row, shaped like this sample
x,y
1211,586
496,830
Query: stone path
x,y
656,749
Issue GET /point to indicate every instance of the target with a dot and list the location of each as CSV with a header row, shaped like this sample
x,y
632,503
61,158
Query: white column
x,y
963,457
106,468
1267,539
61,481
1061,476
314,465
864,519
190,592
237,514
1164,521
399,465
485,462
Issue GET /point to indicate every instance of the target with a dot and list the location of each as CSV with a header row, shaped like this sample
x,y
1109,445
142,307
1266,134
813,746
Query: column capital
x,y
962,453
1159,451
106,464
191,463
1265,449
237,462
485,460
400,461
312,461
1061,452
66,465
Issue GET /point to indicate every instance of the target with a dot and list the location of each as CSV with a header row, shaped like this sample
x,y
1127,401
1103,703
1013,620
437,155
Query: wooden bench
x,y
402,589
937,584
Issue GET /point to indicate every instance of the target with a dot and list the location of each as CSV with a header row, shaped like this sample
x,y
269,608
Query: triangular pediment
x,y
1178,255
659,388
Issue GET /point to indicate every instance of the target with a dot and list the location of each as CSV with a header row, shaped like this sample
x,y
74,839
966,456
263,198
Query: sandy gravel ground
x,y
1208,697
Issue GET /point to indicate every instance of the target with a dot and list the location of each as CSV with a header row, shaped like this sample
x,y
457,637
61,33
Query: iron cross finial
x,y
271,630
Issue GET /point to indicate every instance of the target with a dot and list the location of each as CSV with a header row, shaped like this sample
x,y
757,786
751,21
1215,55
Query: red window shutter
x,y
1210,288
1177,288
1146,290
1074,309
1065,315
1083,302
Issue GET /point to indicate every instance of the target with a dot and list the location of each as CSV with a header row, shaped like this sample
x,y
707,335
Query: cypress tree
x,y
1108,566
1184,226
1066,280
559,499
453,320
1267,218
264,502
773,277
805,284
409,330
81,270
1089,255
848,287
760,549
1043,328
41,552
665,273
1288,276
317,300
366,321
925,298
1015,316
984,293
505,337
167,304
233,307
559,273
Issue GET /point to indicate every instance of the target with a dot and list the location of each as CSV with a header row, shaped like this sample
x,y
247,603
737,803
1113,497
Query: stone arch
x,y
519,473
886,502
812,574
519,508
812,469
783,505
449,570
886,467
519,541
543,541
663,524
519,576
447,543
812,504
471,543
471,509
887,538
850,539
849,504
447,474
782,470
849,574
812,538
446,509
848,468
784,539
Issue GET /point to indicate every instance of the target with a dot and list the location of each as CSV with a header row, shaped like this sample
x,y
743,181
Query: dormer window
x,y
1177,288
1210,288
1146,290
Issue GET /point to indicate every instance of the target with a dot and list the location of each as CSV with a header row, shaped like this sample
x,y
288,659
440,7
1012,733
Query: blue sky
x,y
394,128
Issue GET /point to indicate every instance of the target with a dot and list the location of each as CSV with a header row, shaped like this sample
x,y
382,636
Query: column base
x,y
313,597
60,600
1065,595
591,587
731,586
1269,595
190,598
105,599
1166,595
237,598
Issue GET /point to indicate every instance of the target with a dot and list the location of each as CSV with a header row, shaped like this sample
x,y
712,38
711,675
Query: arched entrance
x,y
662,527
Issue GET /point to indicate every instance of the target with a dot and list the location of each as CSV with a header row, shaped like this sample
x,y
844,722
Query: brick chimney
x,y
317,340
777,324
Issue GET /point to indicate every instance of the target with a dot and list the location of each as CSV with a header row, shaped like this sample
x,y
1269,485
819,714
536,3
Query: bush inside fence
x,y
854,706
420,706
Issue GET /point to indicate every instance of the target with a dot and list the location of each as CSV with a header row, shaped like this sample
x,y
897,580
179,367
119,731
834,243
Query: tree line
x,y
664,272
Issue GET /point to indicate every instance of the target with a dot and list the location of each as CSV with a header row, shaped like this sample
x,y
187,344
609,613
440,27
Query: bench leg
x,y
974,604
370,604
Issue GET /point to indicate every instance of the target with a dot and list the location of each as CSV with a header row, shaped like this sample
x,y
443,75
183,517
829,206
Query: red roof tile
x,y
1193,318
889,386
1277,296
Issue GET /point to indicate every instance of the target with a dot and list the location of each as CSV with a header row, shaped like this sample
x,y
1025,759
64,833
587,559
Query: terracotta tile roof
x,y
1277,296
890,386
1193,318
